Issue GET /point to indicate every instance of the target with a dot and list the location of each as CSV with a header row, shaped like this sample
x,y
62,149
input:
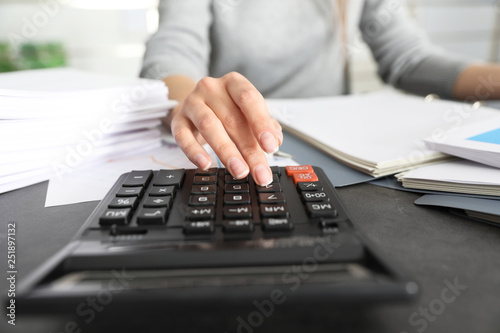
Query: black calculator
x,y
173,238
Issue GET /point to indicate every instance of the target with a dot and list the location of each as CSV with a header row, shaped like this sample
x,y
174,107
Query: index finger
x,y
253,106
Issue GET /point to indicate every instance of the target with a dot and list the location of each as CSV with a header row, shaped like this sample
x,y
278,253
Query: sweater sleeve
x,y
406,58
181,46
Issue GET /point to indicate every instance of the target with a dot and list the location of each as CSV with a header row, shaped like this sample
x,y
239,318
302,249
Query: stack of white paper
x,y
55,121
479,142
459,176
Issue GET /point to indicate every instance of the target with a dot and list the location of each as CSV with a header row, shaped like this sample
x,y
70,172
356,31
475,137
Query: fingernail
x,y
201,161
268,142
263,175
237,168
280,139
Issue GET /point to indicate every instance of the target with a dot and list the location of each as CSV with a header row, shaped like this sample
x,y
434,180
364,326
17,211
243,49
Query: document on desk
x,y
379,133
479,142
458,176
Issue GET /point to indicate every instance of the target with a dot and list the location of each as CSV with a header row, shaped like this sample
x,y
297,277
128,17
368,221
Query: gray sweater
x,y
293,48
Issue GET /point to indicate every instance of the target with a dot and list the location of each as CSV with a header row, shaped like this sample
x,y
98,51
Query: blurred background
x,y
109,36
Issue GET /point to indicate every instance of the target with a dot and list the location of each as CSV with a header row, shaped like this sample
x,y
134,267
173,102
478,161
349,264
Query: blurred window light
x,y
152,20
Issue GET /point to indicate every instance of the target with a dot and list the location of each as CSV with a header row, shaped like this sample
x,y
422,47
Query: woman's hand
x,y
231,115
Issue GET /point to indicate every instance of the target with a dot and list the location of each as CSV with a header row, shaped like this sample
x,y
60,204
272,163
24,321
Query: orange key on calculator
x,y
305,177
290,170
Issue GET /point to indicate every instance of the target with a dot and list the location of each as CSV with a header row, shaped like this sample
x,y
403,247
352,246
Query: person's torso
x,y
286,48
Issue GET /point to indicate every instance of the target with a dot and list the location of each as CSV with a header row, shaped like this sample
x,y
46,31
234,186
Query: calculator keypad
x,y
200,232
203,201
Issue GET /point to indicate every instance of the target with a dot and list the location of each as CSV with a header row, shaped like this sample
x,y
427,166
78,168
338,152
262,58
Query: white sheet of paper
x,y
459,171
460,176
39,82
66,92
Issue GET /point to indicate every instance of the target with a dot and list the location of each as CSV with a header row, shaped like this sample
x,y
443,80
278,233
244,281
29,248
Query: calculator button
x,y
276,170
315,196
207,172
273,187
204,180
236,188
152,216
138,178
305,177
129,202
321,209
130,192
160,191
202,200
310,186
277,224
115,216
237,212
169,177
231,180
200,213
203,189
237,199
290,170
198,227
236,226
153,202
273,210
326,222
271,197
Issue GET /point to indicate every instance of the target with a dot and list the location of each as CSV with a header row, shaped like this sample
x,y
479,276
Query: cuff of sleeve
x,y
434,75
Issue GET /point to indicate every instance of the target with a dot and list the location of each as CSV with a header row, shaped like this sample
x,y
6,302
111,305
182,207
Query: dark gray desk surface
x,y
431,244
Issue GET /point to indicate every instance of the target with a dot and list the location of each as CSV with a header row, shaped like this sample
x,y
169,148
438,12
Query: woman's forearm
x,y
478,82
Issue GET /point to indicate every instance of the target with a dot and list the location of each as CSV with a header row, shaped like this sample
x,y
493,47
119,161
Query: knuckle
x,y
247,96
234,120
179,133
190,149
225,146
206,122
231,76
252,153
207,84
261,119
189,103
